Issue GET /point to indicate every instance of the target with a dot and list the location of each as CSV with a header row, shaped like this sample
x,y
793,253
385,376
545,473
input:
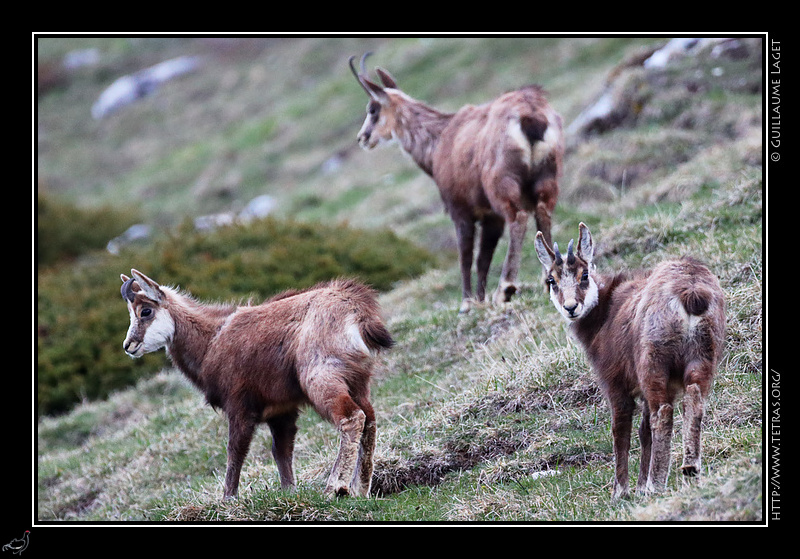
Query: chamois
x,y
653,334
262,363
493,163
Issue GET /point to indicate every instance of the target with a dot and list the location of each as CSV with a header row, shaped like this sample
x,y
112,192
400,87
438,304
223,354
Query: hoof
x,y
690,470
619,493
504,293
335,492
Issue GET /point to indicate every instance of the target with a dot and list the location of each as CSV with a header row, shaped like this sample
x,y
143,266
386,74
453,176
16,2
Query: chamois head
x,y
573,289
379,125
151,325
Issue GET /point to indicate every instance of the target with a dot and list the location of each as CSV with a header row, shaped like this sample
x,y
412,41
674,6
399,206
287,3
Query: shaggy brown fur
x,y
653,335
262,363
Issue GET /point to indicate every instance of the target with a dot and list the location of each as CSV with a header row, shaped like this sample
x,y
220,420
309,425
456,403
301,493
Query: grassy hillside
x,y
490,416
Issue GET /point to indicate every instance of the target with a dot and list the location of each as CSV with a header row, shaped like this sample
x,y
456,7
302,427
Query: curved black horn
x,y
559,260
362,66
353,68
570,255
127,290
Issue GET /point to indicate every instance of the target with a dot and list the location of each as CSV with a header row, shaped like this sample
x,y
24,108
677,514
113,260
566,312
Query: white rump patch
x,y
536,154
551,139
354,334
690,320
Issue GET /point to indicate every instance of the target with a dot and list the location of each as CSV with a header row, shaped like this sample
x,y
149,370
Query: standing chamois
x,y
262,363
651,334
494,163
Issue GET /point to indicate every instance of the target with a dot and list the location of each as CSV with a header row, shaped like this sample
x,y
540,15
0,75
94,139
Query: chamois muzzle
x,y
133,347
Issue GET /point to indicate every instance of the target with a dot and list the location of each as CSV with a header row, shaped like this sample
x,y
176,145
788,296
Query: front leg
x,y
645,438
491,230
465,234
240,433
284,429
621,425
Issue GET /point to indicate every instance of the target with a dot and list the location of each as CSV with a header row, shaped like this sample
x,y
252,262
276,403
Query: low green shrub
x,y
82,321
65,231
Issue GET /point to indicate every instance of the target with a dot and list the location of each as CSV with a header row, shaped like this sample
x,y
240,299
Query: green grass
x,y
489,417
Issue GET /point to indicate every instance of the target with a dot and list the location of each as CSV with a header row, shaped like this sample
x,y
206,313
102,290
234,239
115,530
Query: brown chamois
x,y
493,163
262,363
653,335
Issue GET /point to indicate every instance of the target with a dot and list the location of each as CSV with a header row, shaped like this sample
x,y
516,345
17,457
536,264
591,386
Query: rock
x,y
257,208
127,89
138,232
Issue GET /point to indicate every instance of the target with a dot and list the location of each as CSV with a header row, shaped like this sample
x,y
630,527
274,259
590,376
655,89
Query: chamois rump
x,y
493,163
652,334
263,363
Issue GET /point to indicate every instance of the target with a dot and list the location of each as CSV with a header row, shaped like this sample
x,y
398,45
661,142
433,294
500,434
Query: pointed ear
x,y
544,252
375,91
386,78
585,243
124,278
150,288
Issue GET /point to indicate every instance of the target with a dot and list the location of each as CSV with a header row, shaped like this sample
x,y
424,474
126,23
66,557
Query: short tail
x,y
695,300
376,335
534,127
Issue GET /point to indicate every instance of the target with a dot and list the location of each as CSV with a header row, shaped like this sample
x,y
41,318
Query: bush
x,y
64,231
81,319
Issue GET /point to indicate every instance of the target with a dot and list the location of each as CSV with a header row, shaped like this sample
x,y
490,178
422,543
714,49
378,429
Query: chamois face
x,y
573,289
151,325
379,125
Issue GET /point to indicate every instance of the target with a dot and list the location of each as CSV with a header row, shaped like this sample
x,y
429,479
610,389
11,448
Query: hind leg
x,y
661,426
546,193
350,424
327,385
645,438
240,433
517,227
697,378
362,476
692,420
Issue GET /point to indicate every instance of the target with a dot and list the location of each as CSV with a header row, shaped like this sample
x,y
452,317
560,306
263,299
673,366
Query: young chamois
x,y
494,163
262,363
651,335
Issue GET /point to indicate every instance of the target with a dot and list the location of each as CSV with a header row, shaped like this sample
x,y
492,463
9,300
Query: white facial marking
x,y
567,297
159,332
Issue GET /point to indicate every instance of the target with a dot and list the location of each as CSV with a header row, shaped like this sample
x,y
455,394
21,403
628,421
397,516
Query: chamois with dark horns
x,y
493,163
654,335
262,363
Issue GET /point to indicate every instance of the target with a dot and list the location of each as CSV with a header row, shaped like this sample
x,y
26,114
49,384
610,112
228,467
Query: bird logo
x,y
17,546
